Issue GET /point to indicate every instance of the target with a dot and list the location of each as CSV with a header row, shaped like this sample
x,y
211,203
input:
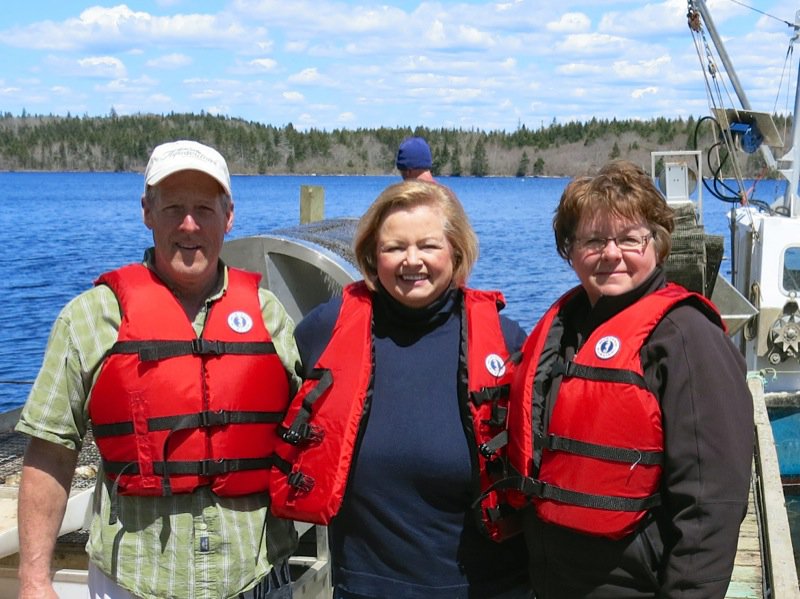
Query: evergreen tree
x,y
455,162
524,162
479,167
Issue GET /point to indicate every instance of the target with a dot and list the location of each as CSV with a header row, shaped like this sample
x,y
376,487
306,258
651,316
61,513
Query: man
x,y
184,367
414,159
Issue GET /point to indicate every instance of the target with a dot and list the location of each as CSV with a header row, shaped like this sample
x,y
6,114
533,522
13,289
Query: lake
x,y
64,229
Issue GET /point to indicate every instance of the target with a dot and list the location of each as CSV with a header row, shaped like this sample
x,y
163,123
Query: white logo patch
x,y
240,321
495,365
607,347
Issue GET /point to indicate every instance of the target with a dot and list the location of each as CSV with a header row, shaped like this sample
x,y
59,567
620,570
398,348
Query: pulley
x,y
783,340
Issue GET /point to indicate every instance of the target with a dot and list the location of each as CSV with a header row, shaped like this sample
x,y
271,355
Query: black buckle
x,y
205,347
304,433
486,451
212,467
301,482
214,418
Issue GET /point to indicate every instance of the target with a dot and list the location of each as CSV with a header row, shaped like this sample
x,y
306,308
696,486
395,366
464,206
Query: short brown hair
x,y
619,189
405,195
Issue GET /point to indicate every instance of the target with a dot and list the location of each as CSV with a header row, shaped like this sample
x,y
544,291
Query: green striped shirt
x,y
195,545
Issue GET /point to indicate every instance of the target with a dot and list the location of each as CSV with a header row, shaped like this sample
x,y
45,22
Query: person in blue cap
x,y
414,160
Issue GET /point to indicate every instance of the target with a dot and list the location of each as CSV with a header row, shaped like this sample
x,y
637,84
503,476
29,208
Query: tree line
x,y
123,143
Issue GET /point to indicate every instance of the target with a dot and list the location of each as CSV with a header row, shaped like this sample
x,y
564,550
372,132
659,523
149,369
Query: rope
x,y
766,14
16,382
715,90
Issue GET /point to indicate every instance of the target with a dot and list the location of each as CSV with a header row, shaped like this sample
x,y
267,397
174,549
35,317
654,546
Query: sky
x,y
340,64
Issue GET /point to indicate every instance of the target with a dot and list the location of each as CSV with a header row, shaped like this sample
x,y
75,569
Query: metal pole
x,y
726,61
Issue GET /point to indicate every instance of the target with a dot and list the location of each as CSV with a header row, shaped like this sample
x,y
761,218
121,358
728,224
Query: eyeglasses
x,y
625,243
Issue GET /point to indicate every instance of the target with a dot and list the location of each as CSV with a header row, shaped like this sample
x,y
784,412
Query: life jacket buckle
x,y
301,482
304,433
486,451
209,418
204,347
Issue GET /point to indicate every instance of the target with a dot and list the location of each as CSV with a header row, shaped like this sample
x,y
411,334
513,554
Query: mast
x,y
790,160
792,174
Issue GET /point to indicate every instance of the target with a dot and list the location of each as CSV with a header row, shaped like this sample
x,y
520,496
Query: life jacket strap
x,y
209,418
152,350
300,430
491,447
204,419
196,467
602,452
534,488
302,483
489,394
597,373
112,430
543,490
499,415
211,467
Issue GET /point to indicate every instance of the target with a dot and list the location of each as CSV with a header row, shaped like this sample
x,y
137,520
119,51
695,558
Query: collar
x,y
589,317
222,279
429,316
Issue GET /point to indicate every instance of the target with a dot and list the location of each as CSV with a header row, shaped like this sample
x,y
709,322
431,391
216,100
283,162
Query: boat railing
x,y
779,572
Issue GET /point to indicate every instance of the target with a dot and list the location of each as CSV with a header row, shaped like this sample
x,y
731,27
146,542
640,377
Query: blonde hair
x,y
405,195
619,189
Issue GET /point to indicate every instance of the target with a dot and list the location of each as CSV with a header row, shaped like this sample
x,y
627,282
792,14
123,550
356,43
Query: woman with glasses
x,y
630,422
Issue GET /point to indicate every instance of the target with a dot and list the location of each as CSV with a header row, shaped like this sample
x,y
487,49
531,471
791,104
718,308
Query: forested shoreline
x,y
122,144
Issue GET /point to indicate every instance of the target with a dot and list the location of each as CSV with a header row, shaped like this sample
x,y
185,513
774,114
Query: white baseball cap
x,y
185,155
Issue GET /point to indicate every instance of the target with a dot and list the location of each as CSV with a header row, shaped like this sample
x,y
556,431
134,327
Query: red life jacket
x,y
322,424
171,411
597,467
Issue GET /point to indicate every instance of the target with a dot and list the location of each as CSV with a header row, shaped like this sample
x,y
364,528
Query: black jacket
x,y
687,546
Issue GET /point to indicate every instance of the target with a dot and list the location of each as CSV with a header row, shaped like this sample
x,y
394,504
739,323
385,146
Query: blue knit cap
x,y
414,153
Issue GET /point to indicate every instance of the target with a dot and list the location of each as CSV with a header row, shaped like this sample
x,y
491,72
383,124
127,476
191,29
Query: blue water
x,y
63,229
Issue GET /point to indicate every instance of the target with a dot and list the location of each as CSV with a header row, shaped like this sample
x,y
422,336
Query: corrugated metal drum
x,y
304,265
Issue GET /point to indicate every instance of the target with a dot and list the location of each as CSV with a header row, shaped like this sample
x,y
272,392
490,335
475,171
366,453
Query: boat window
x,y
791,269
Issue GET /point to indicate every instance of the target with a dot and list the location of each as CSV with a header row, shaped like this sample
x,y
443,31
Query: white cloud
x,y
264,64
591,43
170,61
571,22
128,86
293,96
102,66
209,93
306,76
396,62
120,27
646,69
218,110
646,91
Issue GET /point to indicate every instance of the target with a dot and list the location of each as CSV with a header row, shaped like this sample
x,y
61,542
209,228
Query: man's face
x,y
189,220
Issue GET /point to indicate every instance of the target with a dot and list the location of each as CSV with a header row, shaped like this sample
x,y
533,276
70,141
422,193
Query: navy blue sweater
x,y
405,528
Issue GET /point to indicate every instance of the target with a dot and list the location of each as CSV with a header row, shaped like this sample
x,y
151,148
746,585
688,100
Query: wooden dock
x,y
764,567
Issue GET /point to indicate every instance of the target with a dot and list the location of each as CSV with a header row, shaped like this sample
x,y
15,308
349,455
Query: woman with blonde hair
x,y
396,430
